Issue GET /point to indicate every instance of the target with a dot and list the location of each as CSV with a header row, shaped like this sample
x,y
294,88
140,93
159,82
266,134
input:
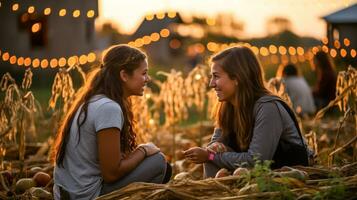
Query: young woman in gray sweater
x,y
251,123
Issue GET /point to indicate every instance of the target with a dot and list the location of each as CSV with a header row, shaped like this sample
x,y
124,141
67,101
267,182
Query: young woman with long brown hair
x,y
251,123
95,149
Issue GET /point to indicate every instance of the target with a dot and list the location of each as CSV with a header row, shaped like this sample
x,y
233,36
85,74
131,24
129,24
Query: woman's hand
x,y
150,148
196,155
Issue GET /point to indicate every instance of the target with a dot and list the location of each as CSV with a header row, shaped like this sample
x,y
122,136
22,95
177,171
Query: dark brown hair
x,y
106,81
240,64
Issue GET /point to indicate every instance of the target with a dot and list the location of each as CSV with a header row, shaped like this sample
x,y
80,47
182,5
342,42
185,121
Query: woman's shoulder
x,y
102,101
266,103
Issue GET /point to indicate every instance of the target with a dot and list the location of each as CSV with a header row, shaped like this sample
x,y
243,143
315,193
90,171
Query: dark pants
x,y
150,170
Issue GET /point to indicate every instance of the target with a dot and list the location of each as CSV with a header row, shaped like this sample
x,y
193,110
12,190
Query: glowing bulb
x,y
211,46
13,60
343,53
62,12
27,62
149,17
353,53
333,53
90,13
164,32
47,11
171,14
76,13
5,56
273,49
264,51
36,27
292,51
53,63
282,50
155,37
15,7
20,61
160,15
31,9
198,77
91,57
62,62
35,63
71,61
83,59
44,63
346,42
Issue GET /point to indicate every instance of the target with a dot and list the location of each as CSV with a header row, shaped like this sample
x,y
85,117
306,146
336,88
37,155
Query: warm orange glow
x,y
160,15
83,59
155,37
300,51
353,53
146,40
139,42
27,62
5,56
15,7
13,60
171,14
31,9
62,12
53,63
44,63
325,49
255,50
131,43
90,13
91,57
346,42
343,53
175,44
76,13
25,17
274,59
282,50
35,63
165,32
293,59
301,58
315,50
337,44
71,61
20,61
199,48
211,21
36,27
264,51
273,49
292,51
324,40
62,62
309,55
47,11
333,53
149,17
211,46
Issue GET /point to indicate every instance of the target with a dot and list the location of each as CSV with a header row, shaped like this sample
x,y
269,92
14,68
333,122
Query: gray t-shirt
x,y
81,175
300,94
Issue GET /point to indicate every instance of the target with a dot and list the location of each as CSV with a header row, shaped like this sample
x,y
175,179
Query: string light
x,y
47,11
44,63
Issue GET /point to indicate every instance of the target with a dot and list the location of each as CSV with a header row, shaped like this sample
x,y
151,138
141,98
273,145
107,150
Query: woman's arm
x,y
268,128
111,165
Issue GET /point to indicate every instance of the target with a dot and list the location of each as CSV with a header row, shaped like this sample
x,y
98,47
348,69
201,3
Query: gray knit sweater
x,y
272,122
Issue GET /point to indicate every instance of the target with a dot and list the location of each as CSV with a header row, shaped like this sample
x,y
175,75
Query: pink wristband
x,y
210,156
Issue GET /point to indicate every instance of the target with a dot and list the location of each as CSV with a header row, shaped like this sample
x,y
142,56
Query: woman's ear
x,y
123,75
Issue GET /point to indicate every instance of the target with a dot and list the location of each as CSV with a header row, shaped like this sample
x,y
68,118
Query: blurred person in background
x,y
324,90
298,90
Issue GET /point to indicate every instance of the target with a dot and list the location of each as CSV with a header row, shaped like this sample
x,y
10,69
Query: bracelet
x,y
211,156
142,149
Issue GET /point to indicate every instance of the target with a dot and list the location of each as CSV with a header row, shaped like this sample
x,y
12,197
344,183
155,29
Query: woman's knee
x,y
159,161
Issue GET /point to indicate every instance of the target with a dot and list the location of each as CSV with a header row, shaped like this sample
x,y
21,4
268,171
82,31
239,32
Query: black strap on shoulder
x,y
288,153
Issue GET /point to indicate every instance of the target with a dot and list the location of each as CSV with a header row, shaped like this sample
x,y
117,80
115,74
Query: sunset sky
x,y
304,14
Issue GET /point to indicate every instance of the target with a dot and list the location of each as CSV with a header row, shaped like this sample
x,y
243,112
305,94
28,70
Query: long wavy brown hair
x,y
106,81
237,122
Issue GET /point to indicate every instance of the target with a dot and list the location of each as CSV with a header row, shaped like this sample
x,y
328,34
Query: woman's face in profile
x,y
224,86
